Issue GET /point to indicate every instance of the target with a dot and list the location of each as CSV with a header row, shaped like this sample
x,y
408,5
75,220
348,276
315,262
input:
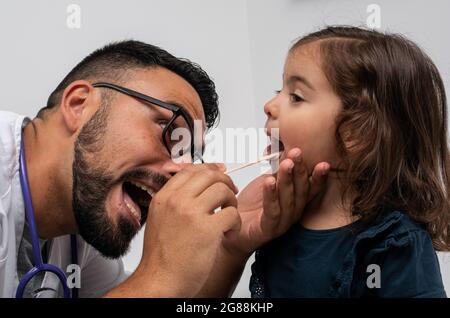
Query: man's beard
x,y
91,186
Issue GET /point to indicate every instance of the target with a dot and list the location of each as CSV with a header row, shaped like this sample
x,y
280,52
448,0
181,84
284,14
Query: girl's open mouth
x,y
272,147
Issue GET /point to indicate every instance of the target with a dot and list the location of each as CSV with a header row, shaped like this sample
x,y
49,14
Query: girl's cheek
x,y
294,132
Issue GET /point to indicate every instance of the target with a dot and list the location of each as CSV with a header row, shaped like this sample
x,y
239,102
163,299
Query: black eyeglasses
x,y
180,119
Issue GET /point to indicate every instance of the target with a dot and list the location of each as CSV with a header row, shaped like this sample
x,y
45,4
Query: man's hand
x,y
183,235
269,205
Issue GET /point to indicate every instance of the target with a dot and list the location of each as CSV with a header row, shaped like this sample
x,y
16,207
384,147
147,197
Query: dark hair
x,y
392,130
111,63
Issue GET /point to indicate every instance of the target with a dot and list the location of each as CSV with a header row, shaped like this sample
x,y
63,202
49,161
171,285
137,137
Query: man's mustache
x,y
158,179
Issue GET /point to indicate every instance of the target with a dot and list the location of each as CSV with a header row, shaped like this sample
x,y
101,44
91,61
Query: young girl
x,y
373,106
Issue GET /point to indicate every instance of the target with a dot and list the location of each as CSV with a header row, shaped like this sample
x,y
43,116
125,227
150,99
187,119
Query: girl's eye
x,y
296,98
277,92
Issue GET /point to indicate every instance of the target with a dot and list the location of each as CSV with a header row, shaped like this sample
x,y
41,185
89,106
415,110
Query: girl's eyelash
x,y
297,98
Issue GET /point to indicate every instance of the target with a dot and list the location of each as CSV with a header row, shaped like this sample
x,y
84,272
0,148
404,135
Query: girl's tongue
x,y
274,163
269,148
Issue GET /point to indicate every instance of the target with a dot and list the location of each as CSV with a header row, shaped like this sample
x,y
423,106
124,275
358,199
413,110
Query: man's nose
x,y
271,108
173,166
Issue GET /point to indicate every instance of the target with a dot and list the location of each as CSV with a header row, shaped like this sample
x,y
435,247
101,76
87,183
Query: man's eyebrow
x,y
175,104
172,102
298,78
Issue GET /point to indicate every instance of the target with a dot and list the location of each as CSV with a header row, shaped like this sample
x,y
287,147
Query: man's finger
x,y
216,196
186,173
197,179
227,219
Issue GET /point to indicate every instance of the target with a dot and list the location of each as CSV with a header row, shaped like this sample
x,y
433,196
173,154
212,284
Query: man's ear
x,y
78,103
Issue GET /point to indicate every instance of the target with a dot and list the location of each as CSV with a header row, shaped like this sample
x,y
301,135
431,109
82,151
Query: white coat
x,y
98,274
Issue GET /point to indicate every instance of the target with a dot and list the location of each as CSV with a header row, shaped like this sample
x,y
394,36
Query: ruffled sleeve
x,y
409,267
401,253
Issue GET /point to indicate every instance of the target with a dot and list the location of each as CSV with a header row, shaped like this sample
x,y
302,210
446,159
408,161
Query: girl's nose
x,y
271,108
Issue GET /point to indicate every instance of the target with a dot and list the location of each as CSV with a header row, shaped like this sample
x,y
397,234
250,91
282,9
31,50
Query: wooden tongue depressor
x,y
265,158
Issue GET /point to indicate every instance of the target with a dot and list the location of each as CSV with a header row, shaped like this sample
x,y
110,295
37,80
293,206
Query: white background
x,y
240,43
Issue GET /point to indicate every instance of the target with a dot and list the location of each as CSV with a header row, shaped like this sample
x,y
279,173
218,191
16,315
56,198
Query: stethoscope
x,y
39,265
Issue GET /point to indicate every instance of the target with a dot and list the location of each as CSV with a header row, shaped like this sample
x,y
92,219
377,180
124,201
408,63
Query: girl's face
x,y
305,109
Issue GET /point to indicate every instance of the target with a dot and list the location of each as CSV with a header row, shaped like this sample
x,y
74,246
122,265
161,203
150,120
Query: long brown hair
x,y
392,131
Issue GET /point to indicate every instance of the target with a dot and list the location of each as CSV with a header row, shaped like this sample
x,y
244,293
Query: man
x,y
98,161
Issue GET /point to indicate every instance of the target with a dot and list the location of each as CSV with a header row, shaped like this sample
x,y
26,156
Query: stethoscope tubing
x,y
39,265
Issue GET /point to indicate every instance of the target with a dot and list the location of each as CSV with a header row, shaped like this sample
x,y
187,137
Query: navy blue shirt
x,y
340,262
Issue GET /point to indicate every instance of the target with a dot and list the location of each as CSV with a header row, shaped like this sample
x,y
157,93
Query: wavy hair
x,y
392,130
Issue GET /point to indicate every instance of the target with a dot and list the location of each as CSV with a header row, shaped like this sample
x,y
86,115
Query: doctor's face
x,y
121,161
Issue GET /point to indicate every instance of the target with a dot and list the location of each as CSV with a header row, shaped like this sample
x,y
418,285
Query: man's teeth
x,y
133,211
143,187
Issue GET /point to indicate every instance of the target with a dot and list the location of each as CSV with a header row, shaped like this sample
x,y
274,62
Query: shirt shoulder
x,y
401,250
391,228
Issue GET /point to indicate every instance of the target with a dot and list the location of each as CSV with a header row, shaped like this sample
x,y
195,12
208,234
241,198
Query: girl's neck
x,y
327,211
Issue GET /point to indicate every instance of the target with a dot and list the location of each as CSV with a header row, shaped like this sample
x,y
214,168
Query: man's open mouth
x,y
137,198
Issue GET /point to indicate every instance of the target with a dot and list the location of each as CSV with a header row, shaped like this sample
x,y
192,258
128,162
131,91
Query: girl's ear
x,y
78,102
